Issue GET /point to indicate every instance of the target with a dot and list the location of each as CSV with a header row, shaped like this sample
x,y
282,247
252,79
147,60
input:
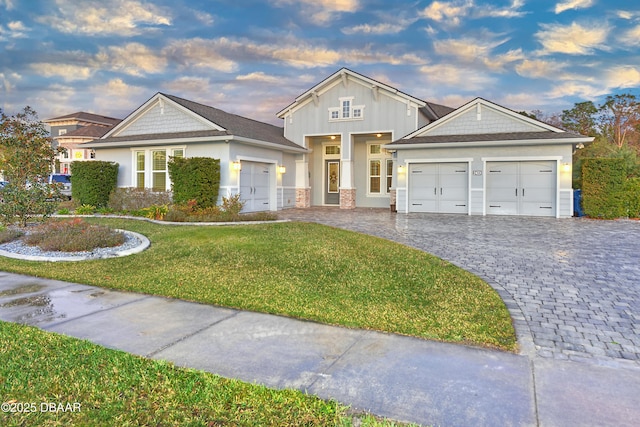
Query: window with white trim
x,y
159,170
346,110
140,169
62,132
150,167
380,171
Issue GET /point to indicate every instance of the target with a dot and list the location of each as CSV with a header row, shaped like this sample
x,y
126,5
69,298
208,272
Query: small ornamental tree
x,y
27,157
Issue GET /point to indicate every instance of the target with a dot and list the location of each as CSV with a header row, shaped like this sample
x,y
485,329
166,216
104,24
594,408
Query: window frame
x,y
146,174
383,157
346,110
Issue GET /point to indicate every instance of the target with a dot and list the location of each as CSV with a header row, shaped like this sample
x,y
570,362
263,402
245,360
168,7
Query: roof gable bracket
x,y
408,108
375,91
314,96
344,79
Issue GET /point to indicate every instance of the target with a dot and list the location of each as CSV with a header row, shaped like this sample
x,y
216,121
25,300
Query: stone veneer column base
x,y
392,200
303,197
347,198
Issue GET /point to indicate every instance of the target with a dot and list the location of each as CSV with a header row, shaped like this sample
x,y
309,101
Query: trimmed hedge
x,y
195,178
632,191
92,182
603,182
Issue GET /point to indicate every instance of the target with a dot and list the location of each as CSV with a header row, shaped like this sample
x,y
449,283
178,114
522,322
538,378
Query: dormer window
x,y
346,110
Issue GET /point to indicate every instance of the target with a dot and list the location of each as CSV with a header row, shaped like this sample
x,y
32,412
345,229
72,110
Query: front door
x,y
332,182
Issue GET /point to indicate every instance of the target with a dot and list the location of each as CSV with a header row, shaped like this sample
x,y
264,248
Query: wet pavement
x,y
398,377
571,286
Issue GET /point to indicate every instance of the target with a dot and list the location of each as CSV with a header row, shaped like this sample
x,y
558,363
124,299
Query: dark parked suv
x,y
64,181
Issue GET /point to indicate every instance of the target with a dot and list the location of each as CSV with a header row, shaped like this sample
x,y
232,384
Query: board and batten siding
x,y
387,113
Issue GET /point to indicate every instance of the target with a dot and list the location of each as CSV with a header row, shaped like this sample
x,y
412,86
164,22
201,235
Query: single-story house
x,y
351,141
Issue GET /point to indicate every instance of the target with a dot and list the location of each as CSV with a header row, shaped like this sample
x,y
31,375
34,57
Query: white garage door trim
x,y
439,206
556,190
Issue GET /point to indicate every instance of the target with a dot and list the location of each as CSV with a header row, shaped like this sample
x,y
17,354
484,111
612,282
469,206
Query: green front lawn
x,y
48,379
301,270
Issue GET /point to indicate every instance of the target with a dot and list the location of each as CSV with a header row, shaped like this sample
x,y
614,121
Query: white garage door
x,y
439,187
521,188
255,186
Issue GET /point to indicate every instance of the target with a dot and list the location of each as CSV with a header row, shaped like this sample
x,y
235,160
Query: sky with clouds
x,y
253,57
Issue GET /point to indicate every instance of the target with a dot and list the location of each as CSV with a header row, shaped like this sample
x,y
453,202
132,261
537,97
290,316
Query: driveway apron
x,y
572,285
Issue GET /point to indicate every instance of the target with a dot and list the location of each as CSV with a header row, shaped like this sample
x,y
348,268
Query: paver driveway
x,y
572,285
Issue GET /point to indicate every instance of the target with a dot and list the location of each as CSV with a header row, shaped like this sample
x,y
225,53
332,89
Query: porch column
x,y
303,191
347,176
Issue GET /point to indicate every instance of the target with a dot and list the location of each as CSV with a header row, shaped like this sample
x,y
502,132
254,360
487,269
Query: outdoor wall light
x,y
236,166
566,167
401,169
333,137
282,169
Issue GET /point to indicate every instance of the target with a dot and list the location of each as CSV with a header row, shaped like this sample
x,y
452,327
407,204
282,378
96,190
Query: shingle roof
x,y
87,117
233,124
90,131
486,137
435,111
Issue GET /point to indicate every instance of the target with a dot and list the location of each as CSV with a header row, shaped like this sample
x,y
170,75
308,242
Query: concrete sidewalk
x,y
399,377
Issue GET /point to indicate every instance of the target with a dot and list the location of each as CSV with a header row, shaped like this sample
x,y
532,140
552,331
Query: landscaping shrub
x,y
93,182
73,235
85,210
135,199
195,178
603,182
9,234
229,211
632,192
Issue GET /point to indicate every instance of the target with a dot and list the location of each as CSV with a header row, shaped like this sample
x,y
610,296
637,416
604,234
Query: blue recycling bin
x,y
577,203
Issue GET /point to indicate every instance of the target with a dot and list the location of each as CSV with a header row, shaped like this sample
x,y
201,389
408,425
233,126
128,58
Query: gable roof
x,y
90,131
223,126
433,109
84,117
539,133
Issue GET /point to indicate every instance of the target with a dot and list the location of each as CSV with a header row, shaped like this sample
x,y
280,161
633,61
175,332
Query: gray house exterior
x,y
351,141
484,159
254,156
344,121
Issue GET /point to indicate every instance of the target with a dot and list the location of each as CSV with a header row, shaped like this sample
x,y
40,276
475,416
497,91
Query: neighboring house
x,y
256,160
72,131
351,141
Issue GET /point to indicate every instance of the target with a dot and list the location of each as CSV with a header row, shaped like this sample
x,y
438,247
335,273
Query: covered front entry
x,y
255,186
521,188
439,187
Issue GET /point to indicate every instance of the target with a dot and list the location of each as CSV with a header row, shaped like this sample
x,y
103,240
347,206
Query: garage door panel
x,y
438,187
521,188
255,186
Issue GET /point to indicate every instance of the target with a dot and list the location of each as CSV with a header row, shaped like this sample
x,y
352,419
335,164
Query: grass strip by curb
x,y
302,270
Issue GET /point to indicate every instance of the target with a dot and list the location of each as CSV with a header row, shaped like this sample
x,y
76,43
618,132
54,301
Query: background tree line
x,y
615,125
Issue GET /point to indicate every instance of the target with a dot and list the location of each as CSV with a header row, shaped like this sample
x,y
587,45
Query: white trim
x,y
152,102
557,159
336,78
467,160
476,103
148,163
493,143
